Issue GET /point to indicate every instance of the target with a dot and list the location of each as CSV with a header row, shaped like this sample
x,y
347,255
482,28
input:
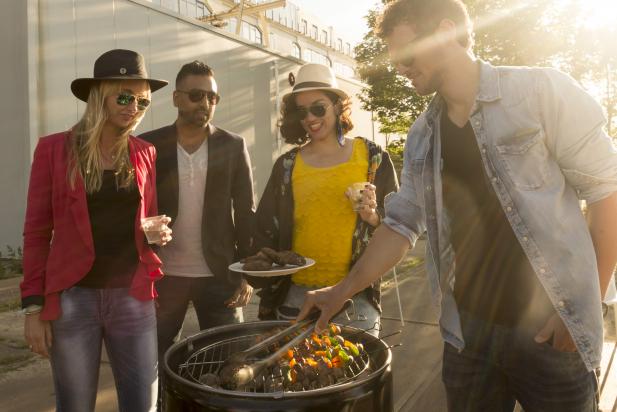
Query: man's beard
x,y
195,117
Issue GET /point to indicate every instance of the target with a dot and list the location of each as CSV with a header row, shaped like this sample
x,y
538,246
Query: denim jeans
x,y
128,328
208,295
501,365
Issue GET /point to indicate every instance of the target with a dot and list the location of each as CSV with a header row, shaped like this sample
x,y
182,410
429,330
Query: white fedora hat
x,y
313,76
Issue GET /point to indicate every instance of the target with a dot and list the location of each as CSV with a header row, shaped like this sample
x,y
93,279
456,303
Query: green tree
x,y
389,96
395,150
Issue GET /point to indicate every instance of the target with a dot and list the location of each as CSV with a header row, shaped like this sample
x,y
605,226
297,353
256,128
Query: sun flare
x,y
594,13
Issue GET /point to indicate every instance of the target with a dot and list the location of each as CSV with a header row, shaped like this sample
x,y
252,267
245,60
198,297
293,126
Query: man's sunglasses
x,y
197,95
317,110
124,99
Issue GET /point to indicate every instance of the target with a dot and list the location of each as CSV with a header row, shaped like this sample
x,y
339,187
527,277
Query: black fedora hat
x,y
117,64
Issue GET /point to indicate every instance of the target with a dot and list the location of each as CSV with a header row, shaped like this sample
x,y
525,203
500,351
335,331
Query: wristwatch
x,y
32,309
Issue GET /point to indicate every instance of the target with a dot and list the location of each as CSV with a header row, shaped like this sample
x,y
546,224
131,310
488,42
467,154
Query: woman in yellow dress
x,y
306,207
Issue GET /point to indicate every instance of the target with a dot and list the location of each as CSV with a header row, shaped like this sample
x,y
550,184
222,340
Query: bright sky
x,y
346,16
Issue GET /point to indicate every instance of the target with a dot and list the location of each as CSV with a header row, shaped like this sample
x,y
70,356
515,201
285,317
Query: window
x,y
251,33
313,56
343,69
191,8
182,7
295,50
231,27
304,27
324,37
339,45
202,10
314,32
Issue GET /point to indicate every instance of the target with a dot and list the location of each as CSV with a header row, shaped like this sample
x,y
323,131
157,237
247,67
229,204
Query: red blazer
x,y
58,245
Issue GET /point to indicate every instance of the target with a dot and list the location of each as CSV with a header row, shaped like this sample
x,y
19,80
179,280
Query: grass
x,y
13,362
9,304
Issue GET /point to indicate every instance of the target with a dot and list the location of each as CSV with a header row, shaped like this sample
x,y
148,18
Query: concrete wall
x,y
17,83
72,33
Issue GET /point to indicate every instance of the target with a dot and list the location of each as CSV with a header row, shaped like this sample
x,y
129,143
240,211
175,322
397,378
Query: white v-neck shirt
x,y
183,256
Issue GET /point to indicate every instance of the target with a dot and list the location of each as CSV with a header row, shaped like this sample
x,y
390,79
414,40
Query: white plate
x,y
275,271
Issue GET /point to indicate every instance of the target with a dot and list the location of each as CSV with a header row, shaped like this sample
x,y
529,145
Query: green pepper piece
x,y
343,355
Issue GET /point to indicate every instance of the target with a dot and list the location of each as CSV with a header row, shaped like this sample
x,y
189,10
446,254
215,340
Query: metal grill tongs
x,y
236,372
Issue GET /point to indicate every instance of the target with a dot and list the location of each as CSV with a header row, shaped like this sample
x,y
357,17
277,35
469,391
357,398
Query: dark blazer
x,y
229,189
58,245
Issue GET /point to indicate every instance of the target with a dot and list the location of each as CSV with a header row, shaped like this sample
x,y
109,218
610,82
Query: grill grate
x,y
209,360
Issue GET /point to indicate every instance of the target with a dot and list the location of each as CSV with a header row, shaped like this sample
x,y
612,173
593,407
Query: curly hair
x,y
291,127
425,16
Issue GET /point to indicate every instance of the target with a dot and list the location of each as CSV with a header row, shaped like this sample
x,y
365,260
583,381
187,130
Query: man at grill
x,y
203,178
493,171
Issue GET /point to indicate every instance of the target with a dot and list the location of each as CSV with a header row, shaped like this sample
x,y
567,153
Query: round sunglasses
x,y
197,95
317,110
124,99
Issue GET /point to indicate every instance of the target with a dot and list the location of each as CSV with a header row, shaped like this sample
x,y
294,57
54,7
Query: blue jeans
x,y
128,327
501,365
208,295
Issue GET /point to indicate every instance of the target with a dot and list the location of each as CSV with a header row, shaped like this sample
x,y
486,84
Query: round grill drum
x,y
367,385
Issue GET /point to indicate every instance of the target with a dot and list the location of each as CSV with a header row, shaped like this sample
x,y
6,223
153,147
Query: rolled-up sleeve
x,y
404,210
574,125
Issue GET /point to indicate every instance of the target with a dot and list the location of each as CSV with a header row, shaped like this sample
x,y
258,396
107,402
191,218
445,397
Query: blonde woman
x,y
88,273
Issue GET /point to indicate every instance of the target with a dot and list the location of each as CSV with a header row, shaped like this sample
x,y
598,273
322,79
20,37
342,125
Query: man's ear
x,y
174,97
446,31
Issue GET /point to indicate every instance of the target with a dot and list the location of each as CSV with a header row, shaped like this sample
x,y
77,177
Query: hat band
x,y
306,85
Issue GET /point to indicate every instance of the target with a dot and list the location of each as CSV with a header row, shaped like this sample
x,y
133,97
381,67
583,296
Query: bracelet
x,y
32,309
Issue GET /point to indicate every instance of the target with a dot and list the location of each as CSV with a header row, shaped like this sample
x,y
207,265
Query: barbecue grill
x,y
366,385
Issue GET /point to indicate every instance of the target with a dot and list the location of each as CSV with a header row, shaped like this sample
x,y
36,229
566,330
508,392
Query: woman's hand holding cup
x,y
156,230
364,201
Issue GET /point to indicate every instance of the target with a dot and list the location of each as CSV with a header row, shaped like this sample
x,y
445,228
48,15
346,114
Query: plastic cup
x,y
355,195
152,227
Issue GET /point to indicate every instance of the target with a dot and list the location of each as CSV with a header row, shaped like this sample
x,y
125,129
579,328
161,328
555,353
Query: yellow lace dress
x,y
324,220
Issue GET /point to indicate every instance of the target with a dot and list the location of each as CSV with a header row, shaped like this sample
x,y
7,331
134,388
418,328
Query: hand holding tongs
x,y
235,373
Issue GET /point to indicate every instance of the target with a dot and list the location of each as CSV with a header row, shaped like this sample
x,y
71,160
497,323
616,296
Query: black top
x,y
112,214
493,278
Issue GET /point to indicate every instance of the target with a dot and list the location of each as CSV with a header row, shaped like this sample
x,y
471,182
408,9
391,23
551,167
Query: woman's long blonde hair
x,y
86,158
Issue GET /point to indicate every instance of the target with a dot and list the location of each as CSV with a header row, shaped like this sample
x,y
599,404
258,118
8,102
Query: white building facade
x,y
53,42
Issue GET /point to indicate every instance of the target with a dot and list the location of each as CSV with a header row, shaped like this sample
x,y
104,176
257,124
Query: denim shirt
x,y
543,149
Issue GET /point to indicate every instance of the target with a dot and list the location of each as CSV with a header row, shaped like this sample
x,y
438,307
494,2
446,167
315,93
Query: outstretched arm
x,y
602,216
385,250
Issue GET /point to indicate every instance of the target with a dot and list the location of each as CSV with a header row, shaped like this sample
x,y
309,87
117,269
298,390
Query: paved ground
x,y
25,380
